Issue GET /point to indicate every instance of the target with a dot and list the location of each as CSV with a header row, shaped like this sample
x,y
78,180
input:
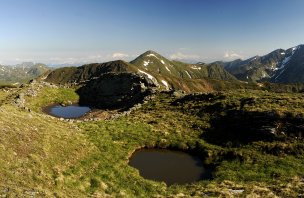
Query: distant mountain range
x,y
279,66
163,72
21,73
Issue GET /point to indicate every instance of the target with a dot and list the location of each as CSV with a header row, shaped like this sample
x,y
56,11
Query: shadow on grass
x,y
237,128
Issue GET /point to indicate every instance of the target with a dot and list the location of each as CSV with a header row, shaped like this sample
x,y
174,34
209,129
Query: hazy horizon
x,y
75,32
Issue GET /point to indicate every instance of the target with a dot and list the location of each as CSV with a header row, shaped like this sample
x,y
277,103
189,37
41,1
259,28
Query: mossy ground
x,y
3,94
44,156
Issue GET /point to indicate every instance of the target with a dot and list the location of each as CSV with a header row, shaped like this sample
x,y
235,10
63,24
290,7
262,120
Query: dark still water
x,y
172,167
71,111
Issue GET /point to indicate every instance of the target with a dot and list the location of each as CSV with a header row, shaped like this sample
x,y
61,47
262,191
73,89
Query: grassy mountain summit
x,y
153,62
88,72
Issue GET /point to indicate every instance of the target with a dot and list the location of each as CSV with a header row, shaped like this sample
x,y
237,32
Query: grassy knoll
x,y
49,96
35,150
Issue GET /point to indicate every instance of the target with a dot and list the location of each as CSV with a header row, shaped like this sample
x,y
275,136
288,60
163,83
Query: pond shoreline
x,y
169,166
47,110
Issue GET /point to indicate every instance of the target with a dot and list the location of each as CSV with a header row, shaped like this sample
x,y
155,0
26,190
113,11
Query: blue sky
x,y
79,31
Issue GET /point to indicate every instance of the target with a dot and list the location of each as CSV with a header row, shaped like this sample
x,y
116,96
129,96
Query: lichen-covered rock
x,y
19,100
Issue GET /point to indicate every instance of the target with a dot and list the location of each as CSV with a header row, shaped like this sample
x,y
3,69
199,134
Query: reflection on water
x,y
72,111
172,167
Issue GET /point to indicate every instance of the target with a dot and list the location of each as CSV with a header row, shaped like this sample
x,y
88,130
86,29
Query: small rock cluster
x,y
20,100
134,108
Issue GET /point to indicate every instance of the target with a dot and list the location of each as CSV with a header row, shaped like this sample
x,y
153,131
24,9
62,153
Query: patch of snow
x,y
247,77
163,62
273,66
146,63
166,84
195,67
280,74
275,69
232,191
149,75
294,49
264,75
149,55
188,74
254,58
282,53
286,60
167,69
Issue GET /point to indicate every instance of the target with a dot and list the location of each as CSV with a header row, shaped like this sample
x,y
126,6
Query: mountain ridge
x,y
278,66
21,73
164,73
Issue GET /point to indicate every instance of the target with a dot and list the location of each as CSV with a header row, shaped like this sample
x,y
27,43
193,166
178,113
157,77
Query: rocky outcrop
x,y
19,100
112,90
